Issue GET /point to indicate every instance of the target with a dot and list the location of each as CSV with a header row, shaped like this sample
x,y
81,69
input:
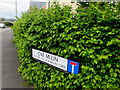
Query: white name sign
x,y
56,61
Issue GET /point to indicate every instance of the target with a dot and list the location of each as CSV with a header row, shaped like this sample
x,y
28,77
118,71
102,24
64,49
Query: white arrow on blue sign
x,y
73,67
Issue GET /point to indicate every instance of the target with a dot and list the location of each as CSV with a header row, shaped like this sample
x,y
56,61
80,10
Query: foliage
x,y
86,3
2,19
92,37
8,23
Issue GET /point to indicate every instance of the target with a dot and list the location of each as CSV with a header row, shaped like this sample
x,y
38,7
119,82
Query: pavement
x,y
9,62
0,58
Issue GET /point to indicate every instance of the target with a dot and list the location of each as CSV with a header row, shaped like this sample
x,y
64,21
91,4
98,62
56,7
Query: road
x,y
10,61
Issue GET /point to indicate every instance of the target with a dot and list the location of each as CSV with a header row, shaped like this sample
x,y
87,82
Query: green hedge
x,y
91,36
8,23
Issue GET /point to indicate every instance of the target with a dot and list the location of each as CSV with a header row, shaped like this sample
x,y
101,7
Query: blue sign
x,y
73,67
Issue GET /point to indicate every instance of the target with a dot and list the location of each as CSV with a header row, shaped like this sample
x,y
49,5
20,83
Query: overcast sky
x,y
7,7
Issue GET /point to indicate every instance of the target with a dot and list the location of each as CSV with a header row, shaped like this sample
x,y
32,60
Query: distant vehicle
x,y
2,25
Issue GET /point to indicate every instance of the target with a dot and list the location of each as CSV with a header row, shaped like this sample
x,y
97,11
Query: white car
x,y
2,25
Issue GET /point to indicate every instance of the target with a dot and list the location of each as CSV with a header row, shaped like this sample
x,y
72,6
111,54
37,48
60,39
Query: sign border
x,y
52,66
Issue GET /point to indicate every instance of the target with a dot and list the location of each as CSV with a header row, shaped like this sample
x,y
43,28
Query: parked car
x,y
2,25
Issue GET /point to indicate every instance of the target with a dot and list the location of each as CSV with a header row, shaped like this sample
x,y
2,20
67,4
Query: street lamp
x,y
49,4
16,7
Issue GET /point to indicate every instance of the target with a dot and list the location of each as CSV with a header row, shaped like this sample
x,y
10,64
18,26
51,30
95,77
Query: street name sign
x,y
56,61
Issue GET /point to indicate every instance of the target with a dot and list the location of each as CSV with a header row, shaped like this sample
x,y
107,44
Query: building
x,y
73,3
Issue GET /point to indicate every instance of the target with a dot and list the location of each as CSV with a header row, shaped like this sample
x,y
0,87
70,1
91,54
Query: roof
x,y
37,4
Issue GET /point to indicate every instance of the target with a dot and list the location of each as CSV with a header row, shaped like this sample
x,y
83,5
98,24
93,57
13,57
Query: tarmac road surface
x,y
10,62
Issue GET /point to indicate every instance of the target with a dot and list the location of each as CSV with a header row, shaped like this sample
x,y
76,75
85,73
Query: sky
x,y
8,9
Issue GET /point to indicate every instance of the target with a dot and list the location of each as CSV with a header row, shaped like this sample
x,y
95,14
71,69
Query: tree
x,y
85,3
3,19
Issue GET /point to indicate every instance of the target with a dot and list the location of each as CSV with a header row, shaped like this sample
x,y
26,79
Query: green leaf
x,y
75,57
97,77
109,43
103,70
106,76
79,49
75,27
111,69
92,56
115,74
95,61
70,76
98,66
118,65
108,65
